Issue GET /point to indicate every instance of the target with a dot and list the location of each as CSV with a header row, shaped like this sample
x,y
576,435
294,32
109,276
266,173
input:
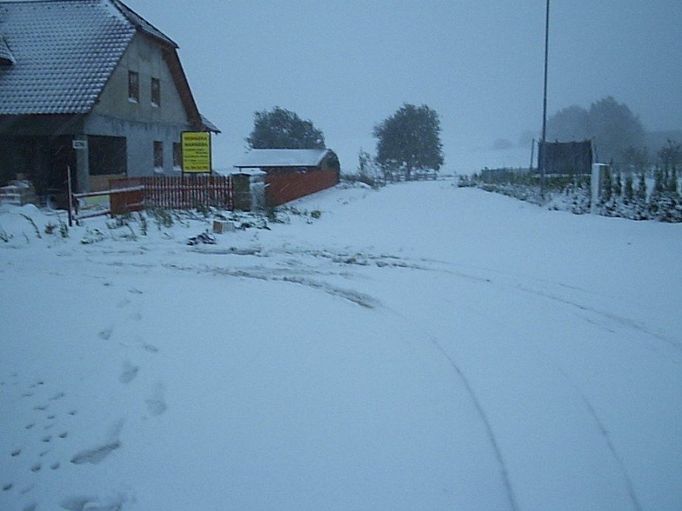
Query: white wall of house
x,y
141,122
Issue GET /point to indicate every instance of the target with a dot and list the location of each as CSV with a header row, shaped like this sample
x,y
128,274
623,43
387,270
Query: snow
x,y
418,347
282,158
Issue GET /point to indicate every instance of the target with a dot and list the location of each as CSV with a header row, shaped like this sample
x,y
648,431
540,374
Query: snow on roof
x,y
64,52
282,158
208,125
143,24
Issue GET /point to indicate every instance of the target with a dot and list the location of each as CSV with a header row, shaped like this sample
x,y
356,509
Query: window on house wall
x,y
158,155
156,92
107,155
177,156
133,86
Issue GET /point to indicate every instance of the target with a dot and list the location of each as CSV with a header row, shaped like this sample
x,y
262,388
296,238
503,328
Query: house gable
x,y
145,57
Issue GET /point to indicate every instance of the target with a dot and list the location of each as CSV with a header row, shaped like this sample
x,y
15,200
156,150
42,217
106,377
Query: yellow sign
x,y
196,151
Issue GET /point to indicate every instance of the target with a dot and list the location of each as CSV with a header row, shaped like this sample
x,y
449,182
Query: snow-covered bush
x,y
619,198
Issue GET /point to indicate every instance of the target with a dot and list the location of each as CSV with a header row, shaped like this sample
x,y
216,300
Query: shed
x,y
293,173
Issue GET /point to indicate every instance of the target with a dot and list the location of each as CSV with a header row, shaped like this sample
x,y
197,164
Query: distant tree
x,y
283,129
410,140
672,183
640,208
607,186
670,155
568,124
614,128
641,187
636,159
618,185
628,190
611,125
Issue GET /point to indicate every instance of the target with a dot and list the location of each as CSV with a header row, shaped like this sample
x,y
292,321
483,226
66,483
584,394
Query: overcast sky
x,y
346,65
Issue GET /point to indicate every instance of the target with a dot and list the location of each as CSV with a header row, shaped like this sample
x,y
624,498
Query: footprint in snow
x,y
150,348
97,454
105,334
156,404
7,487
128,373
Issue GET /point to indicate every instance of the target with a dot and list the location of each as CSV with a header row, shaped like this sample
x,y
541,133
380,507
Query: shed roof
x,y
263,158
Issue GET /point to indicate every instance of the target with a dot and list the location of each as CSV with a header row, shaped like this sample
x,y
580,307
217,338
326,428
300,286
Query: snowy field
x,y
421,347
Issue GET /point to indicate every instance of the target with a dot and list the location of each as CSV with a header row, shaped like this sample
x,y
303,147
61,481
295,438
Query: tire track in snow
x,y
629,486
490,434
271,275
625,322
589,407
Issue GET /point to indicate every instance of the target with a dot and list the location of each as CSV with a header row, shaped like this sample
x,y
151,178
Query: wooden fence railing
x,y
182,192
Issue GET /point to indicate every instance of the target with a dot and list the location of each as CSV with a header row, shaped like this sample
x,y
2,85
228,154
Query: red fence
x,y
183,192
286,186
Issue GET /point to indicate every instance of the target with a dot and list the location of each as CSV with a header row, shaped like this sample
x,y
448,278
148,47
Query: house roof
x,y
259,158
64,52
6,57
143,24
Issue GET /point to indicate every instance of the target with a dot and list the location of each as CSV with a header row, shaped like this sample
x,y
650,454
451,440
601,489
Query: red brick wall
x,y
286,185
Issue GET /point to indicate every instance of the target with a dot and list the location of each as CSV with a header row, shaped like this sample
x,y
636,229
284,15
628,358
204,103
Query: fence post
x,y
69,196
598,170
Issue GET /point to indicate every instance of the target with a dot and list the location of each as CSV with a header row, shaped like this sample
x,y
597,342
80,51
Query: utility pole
x,y
544,110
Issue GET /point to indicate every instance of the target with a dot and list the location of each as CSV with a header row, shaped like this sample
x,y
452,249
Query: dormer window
x,y
6,57
133,87
156,92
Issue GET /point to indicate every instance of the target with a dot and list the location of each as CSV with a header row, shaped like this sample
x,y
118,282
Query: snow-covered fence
x,y
619,195
183,192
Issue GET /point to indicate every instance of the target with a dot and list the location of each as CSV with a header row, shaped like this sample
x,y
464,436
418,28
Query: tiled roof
x,y
143,24
258,158
6,56
64,52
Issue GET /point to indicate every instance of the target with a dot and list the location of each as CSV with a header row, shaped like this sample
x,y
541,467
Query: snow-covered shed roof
x,y
64,52
259,158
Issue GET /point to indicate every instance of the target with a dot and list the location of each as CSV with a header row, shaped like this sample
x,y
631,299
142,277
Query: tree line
x,y
618,135
408,141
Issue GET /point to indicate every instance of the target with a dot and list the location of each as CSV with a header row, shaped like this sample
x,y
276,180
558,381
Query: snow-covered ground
x,y
418,347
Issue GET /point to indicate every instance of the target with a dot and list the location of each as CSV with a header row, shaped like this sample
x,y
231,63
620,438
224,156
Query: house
x,y
90,85
293,173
